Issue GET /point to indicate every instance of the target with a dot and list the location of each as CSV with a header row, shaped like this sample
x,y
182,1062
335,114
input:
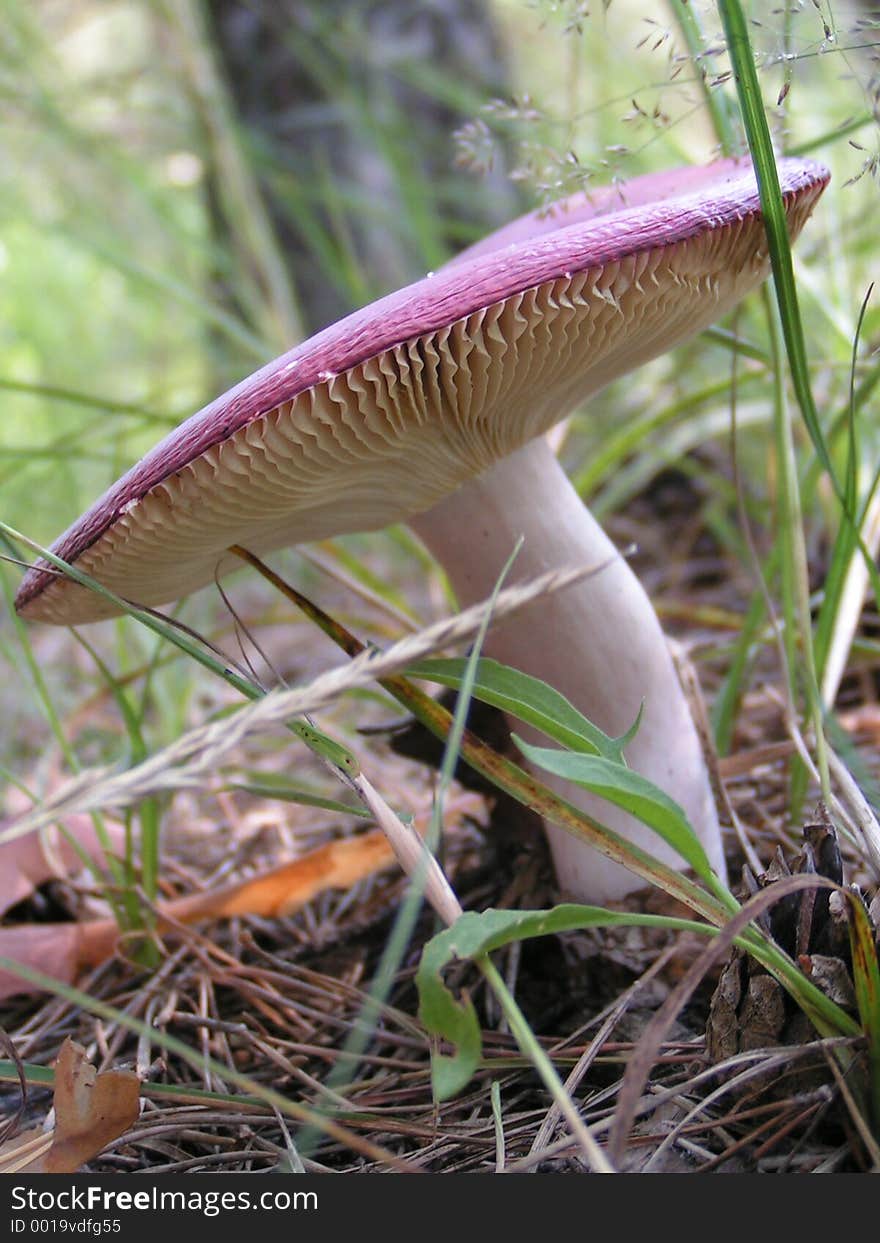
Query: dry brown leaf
x,y
57,950
91,1110
62,950
29,861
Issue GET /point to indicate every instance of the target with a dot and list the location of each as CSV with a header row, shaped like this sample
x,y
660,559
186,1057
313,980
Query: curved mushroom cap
x,y
383,414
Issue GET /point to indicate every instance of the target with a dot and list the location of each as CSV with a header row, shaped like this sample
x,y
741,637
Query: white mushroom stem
x,y
599,643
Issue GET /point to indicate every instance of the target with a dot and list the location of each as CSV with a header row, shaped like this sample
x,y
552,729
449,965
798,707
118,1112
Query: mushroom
x,y
428,407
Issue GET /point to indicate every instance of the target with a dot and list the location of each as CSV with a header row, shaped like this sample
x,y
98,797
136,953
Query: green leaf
x,y
630,791
478,933
529,700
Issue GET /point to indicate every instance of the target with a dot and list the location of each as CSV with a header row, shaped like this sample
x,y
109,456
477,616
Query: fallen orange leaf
x,y
62,950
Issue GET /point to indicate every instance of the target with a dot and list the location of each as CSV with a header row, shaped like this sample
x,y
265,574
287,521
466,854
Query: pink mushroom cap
x,y
391,409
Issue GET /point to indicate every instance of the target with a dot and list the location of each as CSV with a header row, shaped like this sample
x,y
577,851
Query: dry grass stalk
x,y
186,761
